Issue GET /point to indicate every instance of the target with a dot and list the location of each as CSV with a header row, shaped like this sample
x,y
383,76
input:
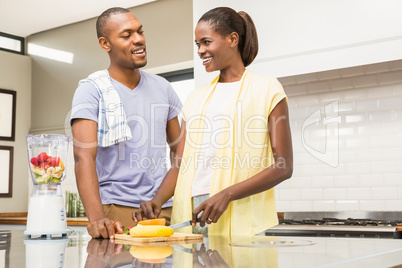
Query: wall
x,y
298,37
167,26
15,74
347,135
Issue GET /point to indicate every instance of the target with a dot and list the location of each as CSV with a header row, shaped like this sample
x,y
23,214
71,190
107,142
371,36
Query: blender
x,y
47,155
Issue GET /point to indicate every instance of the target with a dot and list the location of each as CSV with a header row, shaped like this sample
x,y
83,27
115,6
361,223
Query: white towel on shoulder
x,y
112,121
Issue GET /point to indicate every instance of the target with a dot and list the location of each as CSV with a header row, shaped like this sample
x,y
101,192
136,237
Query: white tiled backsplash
x,y
347,140
350,158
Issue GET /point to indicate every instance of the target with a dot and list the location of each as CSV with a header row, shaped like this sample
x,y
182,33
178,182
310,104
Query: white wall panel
x,y
299,37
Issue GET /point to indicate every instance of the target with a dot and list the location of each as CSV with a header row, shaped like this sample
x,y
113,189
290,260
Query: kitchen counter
x,y
79,250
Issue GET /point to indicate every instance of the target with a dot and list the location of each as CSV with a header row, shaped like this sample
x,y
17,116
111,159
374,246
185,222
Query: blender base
x,y
41,235
46,217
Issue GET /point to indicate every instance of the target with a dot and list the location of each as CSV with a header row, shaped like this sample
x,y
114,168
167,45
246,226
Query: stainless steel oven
x,y
339,224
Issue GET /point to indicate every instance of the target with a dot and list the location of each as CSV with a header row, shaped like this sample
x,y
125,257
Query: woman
x,y
236,144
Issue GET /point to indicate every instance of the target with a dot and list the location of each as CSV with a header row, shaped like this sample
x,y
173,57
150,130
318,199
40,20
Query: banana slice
x,y
58,174
51,171
38,170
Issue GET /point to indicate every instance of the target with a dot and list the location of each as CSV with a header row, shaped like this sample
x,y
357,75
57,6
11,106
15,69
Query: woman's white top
x,y
214,116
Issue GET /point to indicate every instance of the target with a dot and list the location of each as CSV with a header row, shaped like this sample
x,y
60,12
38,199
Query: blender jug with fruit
x,y
47,156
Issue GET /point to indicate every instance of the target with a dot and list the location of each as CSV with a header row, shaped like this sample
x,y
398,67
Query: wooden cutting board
x,y
176,238
399,226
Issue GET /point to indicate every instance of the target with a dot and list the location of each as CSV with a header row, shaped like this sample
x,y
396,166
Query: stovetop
x,y
337,224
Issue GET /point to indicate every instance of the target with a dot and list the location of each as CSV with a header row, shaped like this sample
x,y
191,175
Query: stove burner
x,y
368,222
335,221
382,226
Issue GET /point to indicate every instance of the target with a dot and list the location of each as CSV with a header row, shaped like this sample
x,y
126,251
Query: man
x,y
121,119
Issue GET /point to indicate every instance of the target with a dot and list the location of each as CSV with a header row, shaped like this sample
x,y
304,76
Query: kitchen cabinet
x,y
79,250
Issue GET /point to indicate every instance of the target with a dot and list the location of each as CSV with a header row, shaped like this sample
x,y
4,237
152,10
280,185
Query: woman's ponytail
x,y
249,49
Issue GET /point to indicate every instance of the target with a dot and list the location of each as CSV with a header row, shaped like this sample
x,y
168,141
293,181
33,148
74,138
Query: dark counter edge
x,y
21,218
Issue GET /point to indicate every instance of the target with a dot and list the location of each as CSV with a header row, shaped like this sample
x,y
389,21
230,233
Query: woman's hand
x,y
212,208
149,209
210,258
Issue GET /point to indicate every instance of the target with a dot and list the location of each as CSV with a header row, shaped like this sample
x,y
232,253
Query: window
x,y
179,75
182,82
12,43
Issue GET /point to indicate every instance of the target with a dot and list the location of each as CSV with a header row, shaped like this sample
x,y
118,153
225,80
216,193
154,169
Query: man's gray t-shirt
x,y
131,172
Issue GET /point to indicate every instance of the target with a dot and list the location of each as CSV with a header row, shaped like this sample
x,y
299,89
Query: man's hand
x,y
103,247
149,209
100,253
106,253
104,228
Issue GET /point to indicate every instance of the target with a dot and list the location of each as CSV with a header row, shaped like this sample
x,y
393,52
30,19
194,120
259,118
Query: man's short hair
x,y
101,22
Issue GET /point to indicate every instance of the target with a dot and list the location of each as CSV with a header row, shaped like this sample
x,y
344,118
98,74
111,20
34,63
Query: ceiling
x,y
26,17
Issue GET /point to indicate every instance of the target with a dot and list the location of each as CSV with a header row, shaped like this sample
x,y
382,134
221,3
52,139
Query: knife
x,y
182,224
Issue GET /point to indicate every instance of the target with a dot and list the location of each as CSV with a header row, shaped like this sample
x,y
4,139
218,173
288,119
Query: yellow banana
x,y
151,231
